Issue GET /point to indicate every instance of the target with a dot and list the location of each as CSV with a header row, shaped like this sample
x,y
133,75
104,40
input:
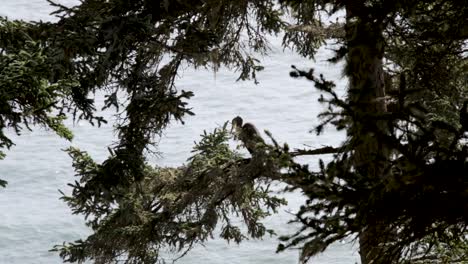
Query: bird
x,y
247,133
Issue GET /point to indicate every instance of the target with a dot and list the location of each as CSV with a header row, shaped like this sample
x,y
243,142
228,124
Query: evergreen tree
x,y
398,183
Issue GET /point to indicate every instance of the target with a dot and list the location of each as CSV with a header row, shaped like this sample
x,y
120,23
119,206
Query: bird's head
x,y
236,123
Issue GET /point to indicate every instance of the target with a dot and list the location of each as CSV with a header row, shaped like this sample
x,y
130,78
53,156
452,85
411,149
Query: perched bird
x,y
246,133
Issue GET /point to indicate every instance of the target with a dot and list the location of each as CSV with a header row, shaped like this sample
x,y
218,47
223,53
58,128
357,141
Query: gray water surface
x,y
33,219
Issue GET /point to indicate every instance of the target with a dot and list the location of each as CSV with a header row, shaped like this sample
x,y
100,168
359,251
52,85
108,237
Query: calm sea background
x,y
33,219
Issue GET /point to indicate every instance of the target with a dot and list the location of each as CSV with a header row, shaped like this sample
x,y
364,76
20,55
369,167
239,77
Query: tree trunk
x,y
366,93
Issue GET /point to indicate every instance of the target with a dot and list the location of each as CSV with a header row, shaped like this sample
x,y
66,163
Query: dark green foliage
x,y
170,208
27,96
400,176
421,199
136,49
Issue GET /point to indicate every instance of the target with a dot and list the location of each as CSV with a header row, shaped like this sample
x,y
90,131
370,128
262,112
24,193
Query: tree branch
x,y
334,30
319,151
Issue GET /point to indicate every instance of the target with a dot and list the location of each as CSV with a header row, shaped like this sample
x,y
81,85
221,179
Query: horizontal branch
x,y
334,30
319,151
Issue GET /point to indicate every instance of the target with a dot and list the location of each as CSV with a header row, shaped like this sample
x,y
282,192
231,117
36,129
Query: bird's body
x,y
247,133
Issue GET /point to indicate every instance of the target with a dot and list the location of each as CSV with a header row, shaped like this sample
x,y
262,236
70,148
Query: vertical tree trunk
x,y
366,92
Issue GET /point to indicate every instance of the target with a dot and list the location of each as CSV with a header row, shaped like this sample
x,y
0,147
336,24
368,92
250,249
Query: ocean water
x,y
33,219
